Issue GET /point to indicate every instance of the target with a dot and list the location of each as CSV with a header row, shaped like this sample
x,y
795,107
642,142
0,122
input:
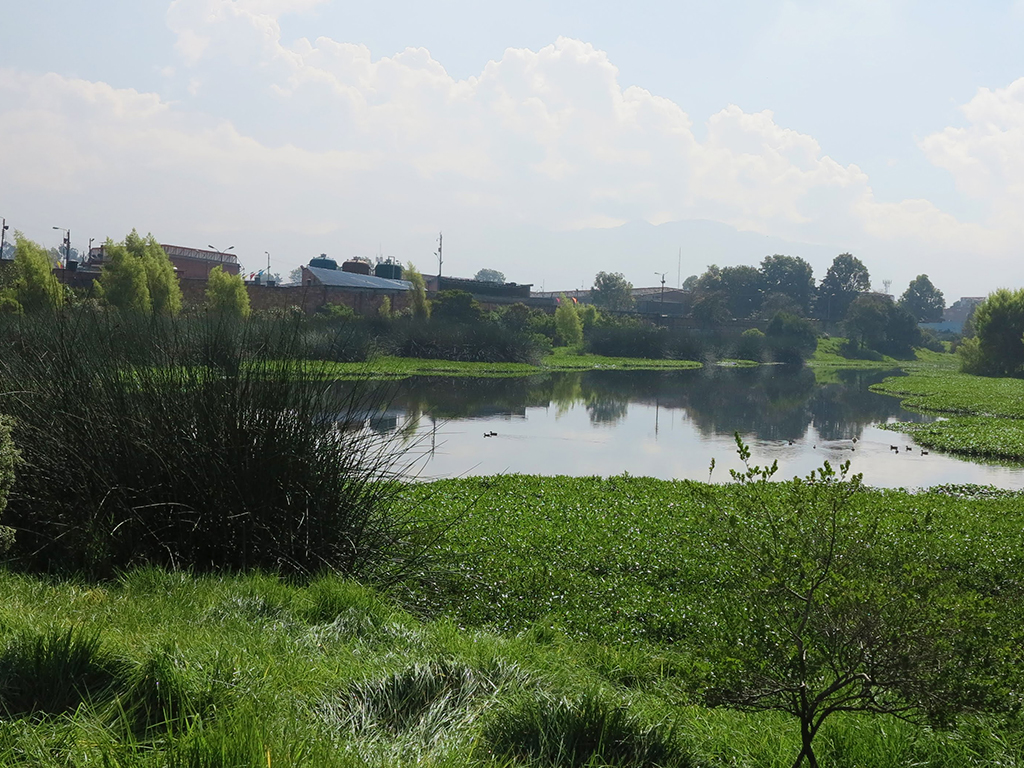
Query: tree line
x,y
137,276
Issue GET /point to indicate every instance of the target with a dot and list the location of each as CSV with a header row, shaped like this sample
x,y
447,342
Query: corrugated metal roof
x,y
337,277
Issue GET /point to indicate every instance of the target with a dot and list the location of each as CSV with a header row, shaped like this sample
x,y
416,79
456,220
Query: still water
x,y
668,424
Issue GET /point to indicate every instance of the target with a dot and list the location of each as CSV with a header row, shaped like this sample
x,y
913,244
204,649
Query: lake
x,y
668,424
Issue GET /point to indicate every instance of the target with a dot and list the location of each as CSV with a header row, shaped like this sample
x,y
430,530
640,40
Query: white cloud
x,y
545,138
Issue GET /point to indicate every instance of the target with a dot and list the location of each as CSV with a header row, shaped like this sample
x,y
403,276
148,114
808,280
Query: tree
x,y
568,323
826,612
164,290
138,276
419,305
876,322
690,283
612,291
123,282
923,300
490,276
998,324
742,286
792,339
226,294
35,287
295,276
456,307
790,276
844,280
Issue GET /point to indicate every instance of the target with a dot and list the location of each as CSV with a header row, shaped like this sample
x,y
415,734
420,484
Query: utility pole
x,y
662,290
3,232
679,269
440,258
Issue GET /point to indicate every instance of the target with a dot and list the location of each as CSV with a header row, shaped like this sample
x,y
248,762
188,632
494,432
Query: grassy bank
x,y
386,367
986,415
161,669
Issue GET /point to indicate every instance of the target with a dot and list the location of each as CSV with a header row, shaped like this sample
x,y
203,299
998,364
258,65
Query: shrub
x,y
9,459
568,323
791,339
752,345
469,342
210,445
626,338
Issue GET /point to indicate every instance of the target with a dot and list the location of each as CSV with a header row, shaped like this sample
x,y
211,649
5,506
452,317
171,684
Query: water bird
x,y
894,448
924,453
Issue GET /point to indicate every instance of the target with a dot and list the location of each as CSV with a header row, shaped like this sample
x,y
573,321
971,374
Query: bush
x,y
626,338
791,339
210,446
468,342
752,345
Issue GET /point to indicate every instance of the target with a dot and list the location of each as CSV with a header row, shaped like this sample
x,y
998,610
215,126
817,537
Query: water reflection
x,y
664,423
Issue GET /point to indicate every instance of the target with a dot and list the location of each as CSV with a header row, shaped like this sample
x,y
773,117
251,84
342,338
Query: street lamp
x,y
662,290
67,244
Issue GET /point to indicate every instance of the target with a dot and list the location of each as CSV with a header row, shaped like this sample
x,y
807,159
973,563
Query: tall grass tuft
x,y
585,729
54,671
198,443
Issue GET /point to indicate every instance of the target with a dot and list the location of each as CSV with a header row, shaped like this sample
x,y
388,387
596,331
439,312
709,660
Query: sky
x,y
547,141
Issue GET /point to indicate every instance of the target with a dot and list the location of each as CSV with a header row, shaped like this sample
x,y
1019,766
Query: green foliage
x,y
612,291
752,345
35,287
876,323
124,282
419,305
189,443
998,324
846,278
579,731
10,458
455,307
568,323
788,276
164,290
226,294
384,310
792,339
826,614
490,276
923,300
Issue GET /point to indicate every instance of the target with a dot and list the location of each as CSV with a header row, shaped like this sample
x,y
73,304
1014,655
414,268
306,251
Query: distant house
x,y
188,263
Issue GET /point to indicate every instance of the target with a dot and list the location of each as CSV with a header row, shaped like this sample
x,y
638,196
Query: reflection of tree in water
x,y
843,405
769,402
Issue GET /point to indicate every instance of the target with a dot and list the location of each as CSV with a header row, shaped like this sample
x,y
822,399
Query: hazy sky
x,y
548,141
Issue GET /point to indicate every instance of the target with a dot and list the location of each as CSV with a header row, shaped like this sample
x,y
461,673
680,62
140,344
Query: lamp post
x,y
267,281
662,290
221,253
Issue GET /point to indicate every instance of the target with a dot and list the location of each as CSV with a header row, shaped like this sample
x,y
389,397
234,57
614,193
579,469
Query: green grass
x,y
254,671
827,356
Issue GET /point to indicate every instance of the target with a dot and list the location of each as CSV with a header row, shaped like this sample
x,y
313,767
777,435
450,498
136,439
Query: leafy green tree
x,y
743,290
790,276
923,300
35,287
164,290
612,291
456,306
226,294
690,283
826,612
877,322
791,338
490,276
998,324
709,309
123,282
384,310
846,278
418,304
568,323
